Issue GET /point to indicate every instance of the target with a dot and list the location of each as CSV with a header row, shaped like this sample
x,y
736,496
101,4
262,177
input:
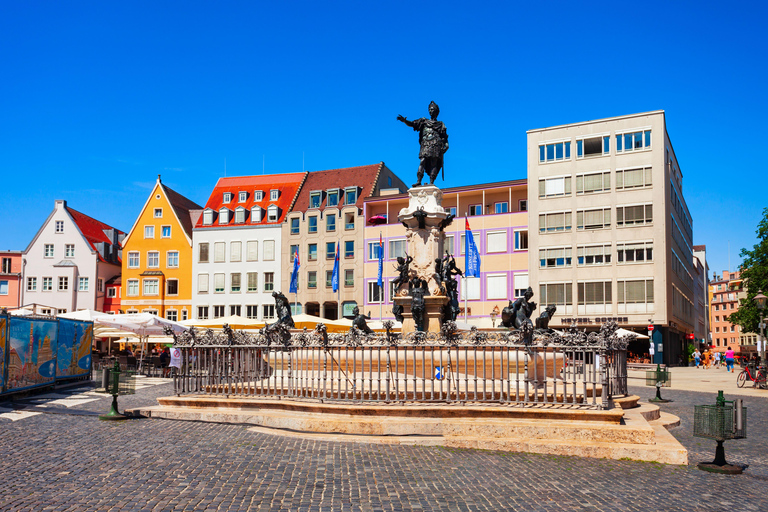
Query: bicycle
x,y
758,379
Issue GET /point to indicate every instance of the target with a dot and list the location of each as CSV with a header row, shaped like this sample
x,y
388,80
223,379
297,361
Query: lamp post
x,y
494,314
760,300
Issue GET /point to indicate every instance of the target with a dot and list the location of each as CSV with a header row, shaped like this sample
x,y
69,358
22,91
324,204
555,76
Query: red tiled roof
x,y
181,206
92,229
364,177
288,184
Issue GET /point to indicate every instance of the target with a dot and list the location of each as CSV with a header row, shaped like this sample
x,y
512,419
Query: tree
x,y
754,272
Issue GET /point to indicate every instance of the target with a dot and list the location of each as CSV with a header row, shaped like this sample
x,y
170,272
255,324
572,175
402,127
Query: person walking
x,y
729,359
717,359
697,358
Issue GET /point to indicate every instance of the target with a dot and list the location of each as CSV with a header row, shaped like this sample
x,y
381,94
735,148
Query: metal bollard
x,y
105,379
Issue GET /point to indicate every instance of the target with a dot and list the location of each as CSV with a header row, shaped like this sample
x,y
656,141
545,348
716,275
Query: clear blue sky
x,y
97,98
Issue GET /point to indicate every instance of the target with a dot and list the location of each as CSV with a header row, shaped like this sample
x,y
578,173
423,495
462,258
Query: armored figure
x,y
447,269
360,321
433,139
418,306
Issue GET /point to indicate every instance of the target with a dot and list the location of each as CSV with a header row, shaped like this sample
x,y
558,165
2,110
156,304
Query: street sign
x,y
650,327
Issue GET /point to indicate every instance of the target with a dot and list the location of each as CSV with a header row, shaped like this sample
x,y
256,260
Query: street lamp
x,y
494,314
760,300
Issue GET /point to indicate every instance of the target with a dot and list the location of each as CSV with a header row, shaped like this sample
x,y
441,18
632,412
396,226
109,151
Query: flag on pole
x,y
295,275
471,254
381,262
335,277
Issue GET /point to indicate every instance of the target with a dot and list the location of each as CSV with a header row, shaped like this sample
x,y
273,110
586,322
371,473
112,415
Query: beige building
x,y
612,235
328,213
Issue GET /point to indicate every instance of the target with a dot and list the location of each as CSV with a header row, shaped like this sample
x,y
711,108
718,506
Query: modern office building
x,y
238,246
498,217
612,235
727,290
328,214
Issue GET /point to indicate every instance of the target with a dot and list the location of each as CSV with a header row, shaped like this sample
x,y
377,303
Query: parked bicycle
x,y
758,377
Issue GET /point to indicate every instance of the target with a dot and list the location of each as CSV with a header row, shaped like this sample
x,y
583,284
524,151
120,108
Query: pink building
x,y
10,277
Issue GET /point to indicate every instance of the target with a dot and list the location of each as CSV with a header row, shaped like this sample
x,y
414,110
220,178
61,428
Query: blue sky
x,y
98,98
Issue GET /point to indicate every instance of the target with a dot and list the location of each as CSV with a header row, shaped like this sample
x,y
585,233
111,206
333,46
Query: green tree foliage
x,y
754,272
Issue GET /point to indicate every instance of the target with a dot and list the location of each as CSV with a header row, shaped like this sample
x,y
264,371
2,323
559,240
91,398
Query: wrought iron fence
x,y
574,368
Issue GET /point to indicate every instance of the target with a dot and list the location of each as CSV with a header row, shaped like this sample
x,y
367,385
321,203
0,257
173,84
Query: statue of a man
x,y
433,139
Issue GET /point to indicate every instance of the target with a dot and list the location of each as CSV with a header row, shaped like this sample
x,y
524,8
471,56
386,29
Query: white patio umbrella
x,y
141,324
84,315
625,332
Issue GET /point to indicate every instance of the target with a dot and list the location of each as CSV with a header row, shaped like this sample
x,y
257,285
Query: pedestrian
x,y
729,360
706,359
697,358
717,359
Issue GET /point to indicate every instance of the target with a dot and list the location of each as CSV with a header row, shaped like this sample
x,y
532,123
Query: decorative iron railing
x,y
573,368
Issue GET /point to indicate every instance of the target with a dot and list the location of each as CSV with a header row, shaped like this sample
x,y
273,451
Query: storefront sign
x,y
595,320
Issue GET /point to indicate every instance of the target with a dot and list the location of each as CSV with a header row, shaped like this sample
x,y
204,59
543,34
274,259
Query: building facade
x,y
113,295
238,244
614,235
68,261
498,217
727,290
328,214
701,329
10,279
157,263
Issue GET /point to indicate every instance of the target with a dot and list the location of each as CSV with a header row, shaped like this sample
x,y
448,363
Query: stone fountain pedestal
x,y
424,220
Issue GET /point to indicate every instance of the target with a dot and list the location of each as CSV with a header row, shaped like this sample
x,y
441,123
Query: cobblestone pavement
x,y
66,459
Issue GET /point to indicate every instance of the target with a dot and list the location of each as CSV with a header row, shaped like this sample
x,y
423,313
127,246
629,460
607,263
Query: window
x,y
242,197
312,224
594,297
269,281
330,250
218,311
634,252
165,232
202,252
312,252
172,315
268,311
133,287
521,240
111,292
314,199
633,296
48,250
272,213
349,277
255,214
202,312
553,257
452,210
219,252
502,207
522,205
593,182
397,248
330,222
448,244
151,287
252,312
59,226
496,241
496,286
60,311
48,284
82,284
133,259
554,187
470,286
274,194
559,294
235,309
31,284
235,251
6,266
333,198
633,178
295,226
593,146
633,141
463,244
329,278
349,221
554,151
593,254
555,221
252,250
227,197
218,283
153,259
593,219
172,287
253,282
224,216
375,295
69,250
269,250
294,252
258,195
207,217
373,250
234,282
312,279
349,248
149,231
350,195
634,215
521,284
475,209
4,287
63,283
172,259
239,215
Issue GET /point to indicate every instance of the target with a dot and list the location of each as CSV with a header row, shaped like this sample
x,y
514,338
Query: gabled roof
x,y
364,177
92,229
182,206
288,184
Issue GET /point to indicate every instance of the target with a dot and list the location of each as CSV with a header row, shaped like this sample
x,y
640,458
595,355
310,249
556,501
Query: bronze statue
x,y
418,306
402,270
360,321
397,310
283,310
433,139
543,321
446,270
519,312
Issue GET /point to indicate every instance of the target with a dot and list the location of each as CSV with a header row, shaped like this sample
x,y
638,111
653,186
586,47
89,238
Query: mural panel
x,y
73,357
32,353
3,350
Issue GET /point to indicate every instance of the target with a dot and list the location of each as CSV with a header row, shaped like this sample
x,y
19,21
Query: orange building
x,y
157,256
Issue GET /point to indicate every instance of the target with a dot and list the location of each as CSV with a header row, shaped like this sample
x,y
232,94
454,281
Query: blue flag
x,y
295,275
471,254
335,277
381,262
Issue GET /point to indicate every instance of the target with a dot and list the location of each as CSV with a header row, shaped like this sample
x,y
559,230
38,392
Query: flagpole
x,y
381,288
466,259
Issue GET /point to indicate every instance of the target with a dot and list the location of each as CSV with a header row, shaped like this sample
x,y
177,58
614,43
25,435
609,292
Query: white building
x,y
237,246
70,258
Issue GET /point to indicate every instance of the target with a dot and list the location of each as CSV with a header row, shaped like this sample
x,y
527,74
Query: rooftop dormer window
x,y
240,215
207,217
227,197
274,194
350,195
256,214
258,195
224,216
242,197
315,199
333,197
272,213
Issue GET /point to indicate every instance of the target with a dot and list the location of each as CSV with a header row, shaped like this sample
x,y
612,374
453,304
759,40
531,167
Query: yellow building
x,y
157,256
